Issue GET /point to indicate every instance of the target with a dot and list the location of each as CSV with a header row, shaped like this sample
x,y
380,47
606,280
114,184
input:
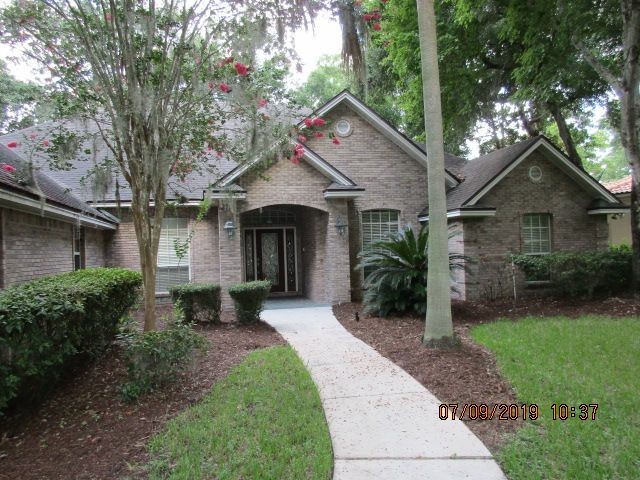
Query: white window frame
x,y
538,231
395,225
539,228
167,257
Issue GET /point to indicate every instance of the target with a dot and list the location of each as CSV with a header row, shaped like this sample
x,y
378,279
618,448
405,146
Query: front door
x,y
270,254
270,258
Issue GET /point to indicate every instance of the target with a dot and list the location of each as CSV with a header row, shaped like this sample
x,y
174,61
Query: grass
x,y
572,361
263,421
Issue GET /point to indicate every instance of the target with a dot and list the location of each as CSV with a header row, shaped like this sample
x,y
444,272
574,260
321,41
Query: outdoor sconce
x,y
341,226
229,227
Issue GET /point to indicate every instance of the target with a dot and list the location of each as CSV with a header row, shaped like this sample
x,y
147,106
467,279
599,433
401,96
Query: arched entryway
x,y
286,244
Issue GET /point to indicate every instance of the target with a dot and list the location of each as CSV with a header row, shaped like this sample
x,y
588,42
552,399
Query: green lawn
x,y
263,421
572,361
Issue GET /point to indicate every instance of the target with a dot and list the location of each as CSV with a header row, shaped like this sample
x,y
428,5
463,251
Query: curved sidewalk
x,y
383,423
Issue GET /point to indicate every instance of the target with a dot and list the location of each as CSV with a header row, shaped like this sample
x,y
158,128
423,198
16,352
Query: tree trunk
x,y
565,134
438,326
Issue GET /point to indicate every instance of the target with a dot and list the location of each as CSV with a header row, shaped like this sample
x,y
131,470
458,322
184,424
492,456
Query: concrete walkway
x,y
383,423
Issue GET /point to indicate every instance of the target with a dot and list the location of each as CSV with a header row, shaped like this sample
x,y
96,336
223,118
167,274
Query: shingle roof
x,y
619,186
78,177
54,191
479,172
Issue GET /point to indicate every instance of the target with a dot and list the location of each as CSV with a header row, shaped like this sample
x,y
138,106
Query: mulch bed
x,y
84,431
467,374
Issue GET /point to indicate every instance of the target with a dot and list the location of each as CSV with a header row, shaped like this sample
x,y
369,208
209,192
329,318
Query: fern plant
x,y
396,273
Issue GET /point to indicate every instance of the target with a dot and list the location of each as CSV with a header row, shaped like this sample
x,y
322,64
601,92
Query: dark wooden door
x,y
270,258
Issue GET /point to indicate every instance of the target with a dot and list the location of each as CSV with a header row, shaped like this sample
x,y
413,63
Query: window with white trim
x,y
536,240
78,248
172,270
536,234
379,225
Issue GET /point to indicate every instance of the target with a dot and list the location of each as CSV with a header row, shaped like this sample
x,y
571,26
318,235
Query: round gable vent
x,y
343,128
535,174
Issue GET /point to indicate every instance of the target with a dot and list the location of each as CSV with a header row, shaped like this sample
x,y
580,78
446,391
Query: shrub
x,y
581,273
48,324
249,299
155,359
199,302
396,273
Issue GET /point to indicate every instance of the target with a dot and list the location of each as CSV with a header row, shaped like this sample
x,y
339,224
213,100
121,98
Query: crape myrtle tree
x,y
168,84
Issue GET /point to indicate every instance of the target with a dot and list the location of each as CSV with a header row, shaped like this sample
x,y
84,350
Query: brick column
x,y
230,255
337,266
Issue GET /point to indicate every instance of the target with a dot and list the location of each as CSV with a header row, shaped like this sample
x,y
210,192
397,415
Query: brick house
x,y
302,226
619,223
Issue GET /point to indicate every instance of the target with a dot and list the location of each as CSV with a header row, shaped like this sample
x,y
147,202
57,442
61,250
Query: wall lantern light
x,y
230,228
341,226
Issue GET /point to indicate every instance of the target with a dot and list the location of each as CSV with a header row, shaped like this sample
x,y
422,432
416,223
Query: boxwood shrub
x,y
199,302
249,299
48,324
580,274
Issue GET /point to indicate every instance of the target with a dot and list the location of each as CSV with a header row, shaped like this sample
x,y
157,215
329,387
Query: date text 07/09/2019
x,y
514,411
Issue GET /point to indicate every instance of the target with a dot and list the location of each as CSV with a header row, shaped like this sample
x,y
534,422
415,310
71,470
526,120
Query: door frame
x,y
255,263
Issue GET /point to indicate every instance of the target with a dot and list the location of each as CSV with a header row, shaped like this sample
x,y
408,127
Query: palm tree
x,y
396,273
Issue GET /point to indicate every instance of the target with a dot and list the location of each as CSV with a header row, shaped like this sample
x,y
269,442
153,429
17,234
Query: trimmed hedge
x,y
578,274
47,324
199,302
249,299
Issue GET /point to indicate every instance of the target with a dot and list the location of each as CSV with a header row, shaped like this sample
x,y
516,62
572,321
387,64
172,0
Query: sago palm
x,y
396,273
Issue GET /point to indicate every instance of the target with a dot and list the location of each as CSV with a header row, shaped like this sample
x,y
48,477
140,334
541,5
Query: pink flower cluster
x,y
298,153
8,168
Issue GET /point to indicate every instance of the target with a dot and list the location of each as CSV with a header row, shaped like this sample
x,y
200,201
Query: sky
x,y
324,39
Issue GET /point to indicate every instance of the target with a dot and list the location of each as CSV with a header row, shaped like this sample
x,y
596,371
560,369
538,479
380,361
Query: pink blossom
x,y
241,69
308,122
295,160
261,102
45,143
32,136
367,17
336,141
227,61
224,87
220,154
302,139
318,134
298,150
377,27
211,85
8,168
13,144
318,122
107,17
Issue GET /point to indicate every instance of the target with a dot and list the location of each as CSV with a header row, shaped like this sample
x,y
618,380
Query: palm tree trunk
x,y
438,326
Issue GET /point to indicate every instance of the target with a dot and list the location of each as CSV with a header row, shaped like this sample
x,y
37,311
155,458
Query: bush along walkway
x,y
383,423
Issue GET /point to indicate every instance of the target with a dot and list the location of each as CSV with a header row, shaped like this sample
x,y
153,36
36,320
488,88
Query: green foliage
x,y
249,299
17,101
396,280
199,302
157,358
263,421
48,324
581,273
327,80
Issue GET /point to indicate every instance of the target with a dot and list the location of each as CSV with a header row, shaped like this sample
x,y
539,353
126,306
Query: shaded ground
x,y
467,374
84,431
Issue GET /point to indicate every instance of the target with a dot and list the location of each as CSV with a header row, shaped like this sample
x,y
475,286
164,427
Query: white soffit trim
x,y
606,211
561,161
343,194
391,133
228,195
190,203
29,205
314,160
464,214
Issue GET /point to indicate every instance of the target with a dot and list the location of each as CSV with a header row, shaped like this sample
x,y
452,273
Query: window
x,y
378,225
536,240
78,248
171,269
536,234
